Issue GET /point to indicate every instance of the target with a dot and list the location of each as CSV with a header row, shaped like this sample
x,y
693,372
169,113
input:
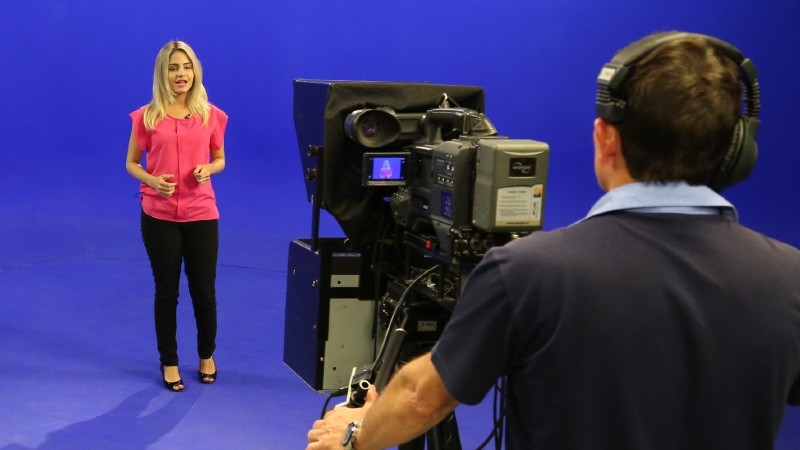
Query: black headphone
x,y
740,159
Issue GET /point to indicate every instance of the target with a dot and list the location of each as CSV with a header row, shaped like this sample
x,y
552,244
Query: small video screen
x,y
385,169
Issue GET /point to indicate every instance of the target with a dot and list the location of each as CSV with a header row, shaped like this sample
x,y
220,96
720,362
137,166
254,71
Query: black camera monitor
x,y
385,168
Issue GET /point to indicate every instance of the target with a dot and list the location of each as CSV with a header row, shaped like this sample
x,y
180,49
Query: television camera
x,y
460,188
422,186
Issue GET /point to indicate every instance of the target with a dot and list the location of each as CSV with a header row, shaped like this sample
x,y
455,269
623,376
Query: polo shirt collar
x,y
672,197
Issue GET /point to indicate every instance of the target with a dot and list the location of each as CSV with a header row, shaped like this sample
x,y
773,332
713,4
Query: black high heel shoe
x,y
207,378
171,385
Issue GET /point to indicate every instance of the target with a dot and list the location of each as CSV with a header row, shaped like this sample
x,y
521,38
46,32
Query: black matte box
x,y
333,174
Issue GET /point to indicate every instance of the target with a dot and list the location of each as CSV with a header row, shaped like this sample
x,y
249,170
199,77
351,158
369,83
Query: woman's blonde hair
x,y
197,97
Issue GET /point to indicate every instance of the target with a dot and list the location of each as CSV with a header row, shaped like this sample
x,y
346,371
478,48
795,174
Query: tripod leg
x,y
416,444
444,435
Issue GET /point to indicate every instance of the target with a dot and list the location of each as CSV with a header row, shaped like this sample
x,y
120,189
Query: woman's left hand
x,y
201,173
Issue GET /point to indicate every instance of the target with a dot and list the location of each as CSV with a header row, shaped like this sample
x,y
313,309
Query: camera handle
x,y
462,121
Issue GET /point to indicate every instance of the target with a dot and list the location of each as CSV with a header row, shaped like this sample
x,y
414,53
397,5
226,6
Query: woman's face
x,y
180,73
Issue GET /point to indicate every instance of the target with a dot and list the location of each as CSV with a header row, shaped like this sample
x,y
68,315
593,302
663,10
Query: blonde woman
x,y
182,137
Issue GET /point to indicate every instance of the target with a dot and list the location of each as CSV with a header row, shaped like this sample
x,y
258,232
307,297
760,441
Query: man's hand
x,y
328,432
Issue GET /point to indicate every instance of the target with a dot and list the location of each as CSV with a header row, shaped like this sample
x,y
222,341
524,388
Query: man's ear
x,y
606,139
609,163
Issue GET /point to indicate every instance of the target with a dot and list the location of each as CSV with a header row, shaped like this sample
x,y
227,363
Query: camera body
x,y
457,198
467,195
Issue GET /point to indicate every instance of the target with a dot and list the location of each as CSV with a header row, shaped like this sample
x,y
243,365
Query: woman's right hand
x,y
162,186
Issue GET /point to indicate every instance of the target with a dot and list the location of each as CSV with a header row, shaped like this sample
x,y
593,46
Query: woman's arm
x,y
133,166
204,171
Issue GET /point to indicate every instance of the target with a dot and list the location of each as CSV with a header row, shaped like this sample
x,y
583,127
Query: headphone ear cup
x,y
740,159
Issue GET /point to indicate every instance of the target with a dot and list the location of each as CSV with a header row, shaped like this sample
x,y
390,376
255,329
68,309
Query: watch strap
x,y
350,435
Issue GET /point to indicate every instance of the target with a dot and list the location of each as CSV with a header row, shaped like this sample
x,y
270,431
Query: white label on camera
x,y
519,205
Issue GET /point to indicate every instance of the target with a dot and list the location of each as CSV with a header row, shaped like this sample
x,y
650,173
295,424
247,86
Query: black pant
x,y
196,245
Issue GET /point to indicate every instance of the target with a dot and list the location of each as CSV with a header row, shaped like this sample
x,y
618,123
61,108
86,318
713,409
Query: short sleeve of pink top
x,y
177,146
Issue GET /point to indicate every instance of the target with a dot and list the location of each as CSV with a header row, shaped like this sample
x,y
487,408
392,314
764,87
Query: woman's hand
x,y
202,173
162,186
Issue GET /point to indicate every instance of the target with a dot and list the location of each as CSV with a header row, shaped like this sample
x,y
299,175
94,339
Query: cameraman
x,y
656,322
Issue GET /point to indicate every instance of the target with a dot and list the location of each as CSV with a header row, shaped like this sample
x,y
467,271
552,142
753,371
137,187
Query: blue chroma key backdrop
x,y
73,271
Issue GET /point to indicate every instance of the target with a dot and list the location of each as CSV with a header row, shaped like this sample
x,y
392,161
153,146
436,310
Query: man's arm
x,y
414,401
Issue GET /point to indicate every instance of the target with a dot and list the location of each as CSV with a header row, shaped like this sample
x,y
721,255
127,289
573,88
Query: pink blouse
x,y
177,146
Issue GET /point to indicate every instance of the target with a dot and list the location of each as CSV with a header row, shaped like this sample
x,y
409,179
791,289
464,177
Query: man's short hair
x,y
683,100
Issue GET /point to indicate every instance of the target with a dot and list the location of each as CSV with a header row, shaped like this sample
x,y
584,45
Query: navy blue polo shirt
x,y
655,322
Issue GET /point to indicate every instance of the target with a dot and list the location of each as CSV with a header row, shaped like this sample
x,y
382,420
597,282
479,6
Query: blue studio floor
x,y
79,367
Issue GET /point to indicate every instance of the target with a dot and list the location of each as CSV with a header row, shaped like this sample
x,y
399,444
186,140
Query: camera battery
x,y
510,180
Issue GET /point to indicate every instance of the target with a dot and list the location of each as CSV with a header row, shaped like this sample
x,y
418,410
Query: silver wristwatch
x,y
350,435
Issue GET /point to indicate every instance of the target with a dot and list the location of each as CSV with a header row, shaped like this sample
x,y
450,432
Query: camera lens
x,y
369,128
372,128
